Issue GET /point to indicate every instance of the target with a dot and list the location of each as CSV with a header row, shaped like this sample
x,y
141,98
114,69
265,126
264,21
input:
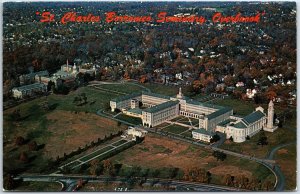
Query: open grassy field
x,y
124,87
157,152
39,186
286,159
60,129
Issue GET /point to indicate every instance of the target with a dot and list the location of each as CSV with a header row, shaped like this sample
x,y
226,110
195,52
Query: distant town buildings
x,y
29,90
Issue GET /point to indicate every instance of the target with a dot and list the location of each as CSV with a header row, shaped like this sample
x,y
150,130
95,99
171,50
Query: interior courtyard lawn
x,y
129,119
176,129
286,158
162,153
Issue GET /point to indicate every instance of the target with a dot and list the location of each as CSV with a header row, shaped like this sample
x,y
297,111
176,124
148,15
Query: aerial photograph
x,y
149,96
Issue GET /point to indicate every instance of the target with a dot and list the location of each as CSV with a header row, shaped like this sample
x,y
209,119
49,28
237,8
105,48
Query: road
x,y
70,182
280,175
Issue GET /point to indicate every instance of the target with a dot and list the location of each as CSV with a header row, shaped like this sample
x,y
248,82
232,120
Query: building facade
x,y
29,90
158,109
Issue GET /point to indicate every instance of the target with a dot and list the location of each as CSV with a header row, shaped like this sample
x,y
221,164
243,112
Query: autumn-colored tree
x,y
271,95
228,80
94,167
20,140
197,174
8,182
143,79
197,85
33,146
23,157
126,75
108,167
228,180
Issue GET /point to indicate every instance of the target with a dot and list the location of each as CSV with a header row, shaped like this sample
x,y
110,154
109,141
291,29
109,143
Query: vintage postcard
x,y
149,96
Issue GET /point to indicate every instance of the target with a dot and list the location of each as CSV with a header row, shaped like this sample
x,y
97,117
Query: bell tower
x,y
270,120
270,114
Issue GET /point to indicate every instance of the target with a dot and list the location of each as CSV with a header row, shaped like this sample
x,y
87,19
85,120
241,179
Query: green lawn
x,y
39,187
239,107
133,120
177,129
162,89
125,88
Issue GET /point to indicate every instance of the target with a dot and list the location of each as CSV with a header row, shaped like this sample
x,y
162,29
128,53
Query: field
x,y
39,186
161,153
286,159
59,129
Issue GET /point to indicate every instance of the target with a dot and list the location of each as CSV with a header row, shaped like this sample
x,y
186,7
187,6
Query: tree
x,y
263,140
228,180
24,157
94,167
50,86
33,146
143,79
20,141
219,155
108,167
215,138
16,115
9,182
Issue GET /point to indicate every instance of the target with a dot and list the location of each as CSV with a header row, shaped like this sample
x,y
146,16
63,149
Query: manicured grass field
x,y
239,107
119,143
177,129
90,156
125,88
133,120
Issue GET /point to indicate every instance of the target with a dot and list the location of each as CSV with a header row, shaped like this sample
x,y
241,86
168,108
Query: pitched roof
x,y
240,125
155,95
30,86
161,106
190,101
136,110
225,122
219,112
126,97
253,117
203,131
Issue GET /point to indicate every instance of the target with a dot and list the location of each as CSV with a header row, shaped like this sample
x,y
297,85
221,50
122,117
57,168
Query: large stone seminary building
x,y
157,109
